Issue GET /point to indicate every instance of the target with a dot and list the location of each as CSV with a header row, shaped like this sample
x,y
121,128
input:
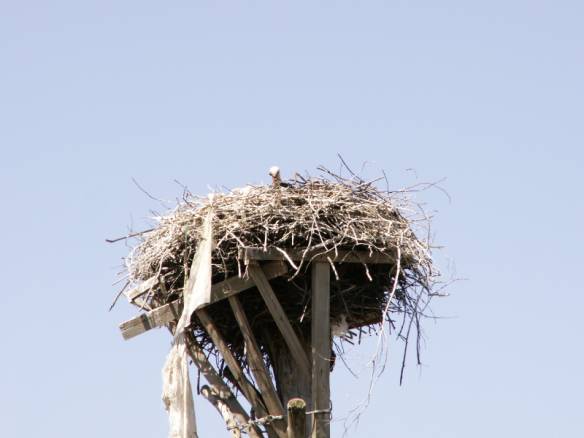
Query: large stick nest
x,y
312,214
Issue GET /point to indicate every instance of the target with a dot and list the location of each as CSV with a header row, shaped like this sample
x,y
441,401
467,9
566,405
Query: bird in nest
x,y
277,178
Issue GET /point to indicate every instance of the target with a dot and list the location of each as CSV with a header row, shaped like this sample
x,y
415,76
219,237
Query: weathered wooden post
x,y
321,349
297,418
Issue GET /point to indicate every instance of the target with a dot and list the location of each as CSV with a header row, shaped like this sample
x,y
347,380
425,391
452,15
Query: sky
x,y
486,97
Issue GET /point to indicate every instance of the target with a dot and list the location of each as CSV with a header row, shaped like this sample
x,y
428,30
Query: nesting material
x,y
314,216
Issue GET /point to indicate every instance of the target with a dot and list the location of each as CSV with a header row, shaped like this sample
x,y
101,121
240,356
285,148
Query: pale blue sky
x,y
487,94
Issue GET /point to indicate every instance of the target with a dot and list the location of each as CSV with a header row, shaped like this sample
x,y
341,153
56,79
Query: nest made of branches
x,y
315,215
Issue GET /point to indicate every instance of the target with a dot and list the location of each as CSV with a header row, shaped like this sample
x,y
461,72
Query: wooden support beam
x,y
220,394
245,385
224,410
299,355
250,254
171,311
149,320
296,418
257,365
219,291
321,349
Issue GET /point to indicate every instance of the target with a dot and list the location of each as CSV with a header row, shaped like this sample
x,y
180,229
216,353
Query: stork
x,y
276,178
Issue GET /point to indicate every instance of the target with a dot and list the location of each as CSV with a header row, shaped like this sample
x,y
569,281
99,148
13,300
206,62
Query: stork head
x,y
274,171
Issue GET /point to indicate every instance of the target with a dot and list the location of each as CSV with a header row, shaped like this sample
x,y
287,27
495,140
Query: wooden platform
x,y
262,266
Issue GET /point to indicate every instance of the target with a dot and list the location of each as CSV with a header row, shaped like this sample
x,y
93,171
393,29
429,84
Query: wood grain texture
x,y
149,320
257,365
224,410
171,311
321,348
245,385
290,337
221,395
296,418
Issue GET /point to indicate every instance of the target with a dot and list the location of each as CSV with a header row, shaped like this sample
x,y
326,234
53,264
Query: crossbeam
x,y
171,311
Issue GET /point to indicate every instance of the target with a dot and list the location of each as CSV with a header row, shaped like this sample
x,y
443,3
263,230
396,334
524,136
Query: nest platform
x,y
275,247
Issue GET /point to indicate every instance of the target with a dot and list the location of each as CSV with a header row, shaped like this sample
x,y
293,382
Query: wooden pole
x,y
290,382
296,418
321,349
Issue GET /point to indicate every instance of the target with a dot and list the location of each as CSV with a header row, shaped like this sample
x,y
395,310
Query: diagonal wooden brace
x,y
257,365
290,337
